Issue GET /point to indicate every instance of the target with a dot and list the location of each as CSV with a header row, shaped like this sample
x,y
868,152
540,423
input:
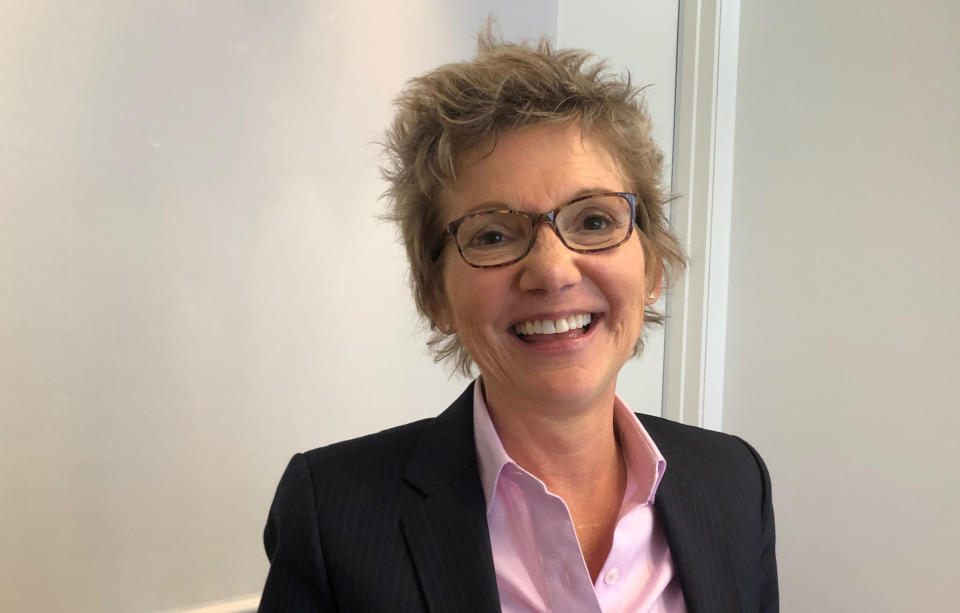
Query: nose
x,y
550,267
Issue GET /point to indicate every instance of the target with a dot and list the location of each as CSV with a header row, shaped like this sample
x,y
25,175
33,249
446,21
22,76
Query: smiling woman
x,y
527,189
533,169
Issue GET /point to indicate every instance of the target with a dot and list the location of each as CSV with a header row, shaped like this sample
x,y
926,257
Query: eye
x,y
492,231
490,236
595,222
592,220
487,238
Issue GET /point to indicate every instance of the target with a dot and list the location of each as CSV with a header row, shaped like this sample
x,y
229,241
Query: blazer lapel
x,y
694,533
447,533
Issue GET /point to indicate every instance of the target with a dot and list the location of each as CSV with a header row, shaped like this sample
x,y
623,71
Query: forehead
x,y
535,168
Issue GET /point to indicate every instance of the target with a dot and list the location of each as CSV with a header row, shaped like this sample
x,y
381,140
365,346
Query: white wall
x,y
192,282
843,336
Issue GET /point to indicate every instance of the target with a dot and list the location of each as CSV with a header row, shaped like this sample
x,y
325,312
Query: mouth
x,y
552,330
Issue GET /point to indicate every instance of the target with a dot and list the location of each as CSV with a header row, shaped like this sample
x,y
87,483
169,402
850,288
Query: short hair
x,y
457,107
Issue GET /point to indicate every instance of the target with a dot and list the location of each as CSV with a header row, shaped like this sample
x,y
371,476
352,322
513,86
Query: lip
x,y
561,345
554,315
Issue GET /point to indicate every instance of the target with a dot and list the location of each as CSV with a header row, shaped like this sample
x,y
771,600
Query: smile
x,y
554,326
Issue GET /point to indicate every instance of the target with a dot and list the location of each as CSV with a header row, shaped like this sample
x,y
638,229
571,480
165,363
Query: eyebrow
x,y
489,205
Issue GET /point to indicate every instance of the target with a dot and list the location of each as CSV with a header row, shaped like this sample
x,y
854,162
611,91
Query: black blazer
x,y
396,522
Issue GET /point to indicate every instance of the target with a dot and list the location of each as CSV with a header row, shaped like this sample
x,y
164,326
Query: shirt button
x,y
612,576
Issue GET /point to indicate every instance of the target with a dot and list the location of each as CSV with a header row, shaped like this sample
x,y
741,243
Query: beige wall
x,y
844,318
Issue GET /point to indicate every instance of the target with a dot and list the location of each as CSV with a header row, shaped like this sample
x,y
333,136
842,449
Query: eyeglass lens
x,y
489,238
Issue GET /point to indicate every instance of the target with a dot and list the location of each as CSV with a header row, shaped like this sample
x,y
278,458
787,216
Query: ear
x,y
654,288
440,315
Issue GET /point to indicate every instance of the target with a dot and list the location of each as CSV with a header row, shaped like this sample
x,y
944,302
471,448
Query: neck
x,y
573,450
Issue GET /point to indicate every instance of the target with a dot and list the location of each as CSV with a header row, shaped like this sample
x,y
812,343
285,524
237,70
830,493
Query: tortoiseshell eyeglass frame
x,y
535,219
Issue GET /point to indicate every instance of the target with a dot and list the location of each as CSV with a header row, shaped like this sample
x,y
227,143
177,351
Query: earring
x,y
446,328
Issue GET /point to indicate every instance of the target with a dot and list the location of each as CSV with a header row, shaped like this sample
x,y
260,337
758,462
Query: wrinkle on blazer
x,y
396,522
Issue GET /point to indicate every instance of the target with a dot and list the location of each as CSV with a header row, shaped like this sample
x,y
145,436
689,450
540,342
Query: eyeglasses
x,y
588,224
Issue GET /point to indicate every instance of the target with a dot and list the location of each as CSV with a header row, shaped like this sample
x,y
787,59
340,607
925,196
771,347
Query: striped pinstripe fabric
x,y
395,522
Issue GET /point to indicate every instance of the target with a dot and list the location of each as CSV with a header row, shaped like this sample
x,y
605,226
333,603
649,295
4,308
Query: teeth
x,y
553,326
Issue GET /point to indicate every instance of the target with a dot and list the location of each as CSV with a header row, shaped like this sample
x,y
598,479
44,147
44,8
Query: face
x,y
495,310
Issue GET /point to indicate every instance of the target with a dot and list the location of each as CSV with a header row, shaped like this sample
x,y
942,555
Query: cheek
x,y
475,300
627,290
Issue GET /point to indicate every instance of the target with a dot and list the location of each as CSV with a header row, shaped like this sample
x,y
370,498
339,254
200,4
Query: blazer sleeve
x,y
297,581
768,590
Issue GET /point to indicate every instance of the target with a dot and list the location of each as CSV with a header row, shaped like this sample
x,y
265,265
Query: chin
x,y
574,385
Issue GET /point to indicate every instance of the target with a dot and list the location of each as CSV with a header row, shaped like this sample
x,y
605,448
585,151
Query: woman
x,y
527,190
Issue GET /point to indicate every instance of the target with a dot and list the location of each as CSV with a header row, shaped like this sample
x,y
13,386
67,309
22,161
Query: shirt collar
x,y
645,463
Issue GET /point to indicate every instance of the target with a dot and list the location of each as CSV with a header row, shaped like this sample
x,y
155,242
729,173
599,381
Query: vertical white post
x,y
702,177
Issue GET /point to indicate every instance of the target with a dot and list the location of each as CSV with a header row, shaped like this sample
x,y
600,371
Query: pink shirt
x,y
538,561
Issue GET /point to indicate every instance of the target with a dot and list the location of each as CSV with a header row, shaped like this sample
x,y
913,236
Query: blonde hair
x,y
458,107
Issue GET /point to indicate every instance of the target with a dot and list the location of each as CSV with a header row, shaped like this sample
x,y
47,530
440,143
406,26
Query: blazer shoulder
x,y
330,501
356,485
684,434
708,449
719,480
399,443
390,446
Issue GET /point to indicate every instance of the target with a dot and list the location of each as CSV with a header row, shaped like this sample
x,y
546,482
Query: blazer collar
x,y
694,532
450,543
447,532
